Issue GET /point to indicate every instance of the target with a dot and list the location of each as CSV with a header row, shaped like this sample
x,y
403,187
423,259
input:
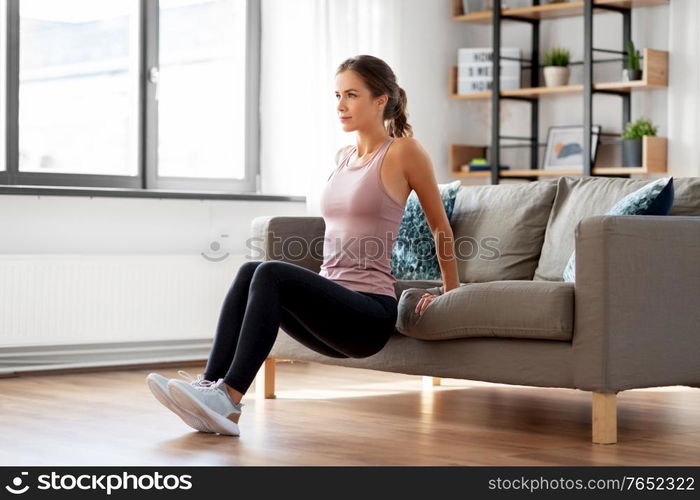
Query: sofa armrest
x,y
637,302
298,240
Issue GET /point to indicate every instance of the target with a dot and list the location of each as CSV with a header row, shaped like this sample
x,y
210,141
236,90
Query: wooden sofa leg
x,y
265,380
604,418
431,381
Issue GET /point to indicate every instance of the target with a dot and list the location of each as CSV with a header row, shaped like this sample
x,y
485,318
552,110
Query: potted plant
x,y
633,70
556,67
632,141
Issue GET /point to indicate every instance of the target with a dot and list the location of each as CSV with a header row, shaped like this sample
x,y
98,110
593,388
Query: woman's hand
x,y
425,300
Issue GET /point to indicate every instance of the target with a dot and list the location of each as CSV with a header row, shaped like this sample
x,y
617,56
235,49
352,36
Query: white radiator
x,y
80,310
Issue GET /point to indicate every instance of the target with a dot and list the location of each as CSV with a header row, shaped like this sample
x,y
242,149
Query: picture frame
x,y
564,148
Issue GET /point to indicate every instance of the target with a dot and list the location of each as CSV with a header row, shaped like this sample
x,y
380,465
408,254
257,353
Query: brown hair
x,y
380,80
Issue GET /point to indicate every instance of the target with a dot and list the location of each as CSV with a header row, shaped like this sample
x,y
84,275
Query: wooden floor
x,y
327,415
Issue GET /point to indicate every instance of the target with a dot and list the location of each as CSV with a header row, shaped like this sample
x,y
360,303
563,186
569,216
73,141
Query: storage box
x,y
472,85
486,70
475,69
474,55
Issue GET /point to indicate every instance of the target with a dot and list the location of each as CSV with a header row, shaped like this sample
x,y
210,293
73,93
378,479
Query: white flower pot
x,y
555,76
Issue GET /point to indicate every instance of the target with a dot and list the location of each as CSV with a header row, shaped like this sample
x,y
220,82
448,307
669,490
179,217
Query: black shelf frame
x,y
534,67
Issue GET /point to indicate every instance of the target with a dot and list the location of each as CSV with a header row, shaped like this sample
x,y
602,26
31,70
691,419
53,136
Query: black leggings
x,y
319,313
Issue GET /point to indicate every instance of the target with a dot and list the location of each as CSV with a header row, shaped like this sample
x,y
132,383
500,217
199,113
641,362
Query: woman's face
x,y
355,102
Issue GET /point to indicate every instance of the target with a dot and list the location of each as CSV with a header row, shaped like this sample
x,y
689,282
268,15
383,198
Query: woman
x,y
349,308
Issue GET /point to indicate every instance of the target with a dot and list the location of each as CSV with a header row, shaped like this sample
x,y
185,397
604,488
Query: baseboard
x,y
26,360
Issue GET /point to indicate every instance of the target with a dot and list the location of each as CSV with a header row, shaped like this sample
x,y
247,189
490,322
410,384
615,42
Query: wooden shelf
x,y
540,91
654,73
654,76
654,153
539,173
461,154
471,174
547,11
558,173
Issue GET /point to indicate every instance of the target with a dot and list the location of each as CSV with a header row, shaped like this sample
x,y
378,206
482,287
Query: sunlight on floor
x,y
423,384
359,390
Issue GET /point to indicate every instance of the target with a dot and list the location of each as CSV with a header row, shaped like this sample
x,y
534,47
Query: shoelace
x,y
199,381
205,385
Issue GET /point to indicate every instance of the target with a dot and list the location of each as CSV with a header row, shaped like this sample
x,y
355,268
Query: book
x,y
481,168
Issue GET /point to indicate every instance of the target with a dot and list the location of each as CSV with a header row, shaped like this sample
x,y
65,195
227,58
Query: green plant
x,y
557,57
638,129
632,56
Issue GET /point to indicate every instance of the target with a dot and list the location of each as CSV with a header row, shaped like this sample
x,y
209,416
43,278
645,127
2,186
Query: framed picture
x,y
564,149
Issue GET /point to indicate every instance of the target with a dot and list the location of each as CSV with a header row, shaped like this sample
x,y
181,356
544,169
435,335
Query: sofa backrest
x,y
686,200
580,197
499,230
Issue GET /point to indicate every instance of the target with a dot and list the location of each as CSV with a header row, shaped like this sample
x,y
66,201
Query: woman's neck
x,y
368,144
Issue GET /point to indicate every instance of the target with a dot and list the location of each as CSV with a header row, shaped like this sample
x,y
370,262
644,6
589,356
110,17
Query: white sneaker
x,y
210,403
158,384
198,381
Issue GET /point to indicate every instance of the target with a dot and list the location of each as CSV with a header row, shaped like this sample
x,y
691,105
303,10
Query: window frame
x,y
147,122
3,95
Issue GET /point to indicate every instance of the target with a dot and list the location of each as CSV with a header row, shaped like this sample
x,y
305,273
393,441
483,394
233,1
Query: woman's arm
x,y
419,173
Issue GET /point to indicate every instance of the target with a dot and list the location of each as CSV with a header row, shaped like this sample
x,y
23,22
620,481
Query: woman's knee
x,y
278,272
251,265
247,269
267,269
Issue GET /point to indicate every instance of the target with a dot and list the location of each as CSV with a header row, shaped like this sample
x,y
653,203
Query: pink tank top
x,y
362,223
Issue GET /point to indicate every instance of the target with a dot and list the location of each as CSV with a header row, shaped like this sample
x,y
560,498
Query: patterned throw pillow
x,y
656,198
414,256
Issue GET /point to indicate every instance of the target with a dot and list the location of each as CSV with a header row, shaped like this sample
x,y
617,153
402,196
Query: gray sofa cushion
x,y
499,230
687,196
580,197
426,285
512,309
576,198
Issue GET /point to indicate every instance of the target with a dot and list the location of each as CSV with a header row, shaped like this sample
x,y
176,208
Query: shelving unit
x,y
654,76
654,71
549,11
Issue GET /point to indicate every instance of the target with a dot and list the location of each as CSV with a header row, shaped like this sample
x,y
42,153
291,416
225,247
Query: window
x,y
201,137
78,87
3,90
133,93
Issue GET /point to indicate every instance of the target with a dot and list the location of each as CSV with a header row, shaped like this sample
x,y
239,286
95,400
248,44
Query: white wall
x,y
684,91
104,270
83,225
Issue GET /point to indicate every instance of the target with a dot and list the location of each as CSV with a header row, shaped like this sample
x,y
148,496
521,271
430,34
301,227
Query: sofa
x,y
630,320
